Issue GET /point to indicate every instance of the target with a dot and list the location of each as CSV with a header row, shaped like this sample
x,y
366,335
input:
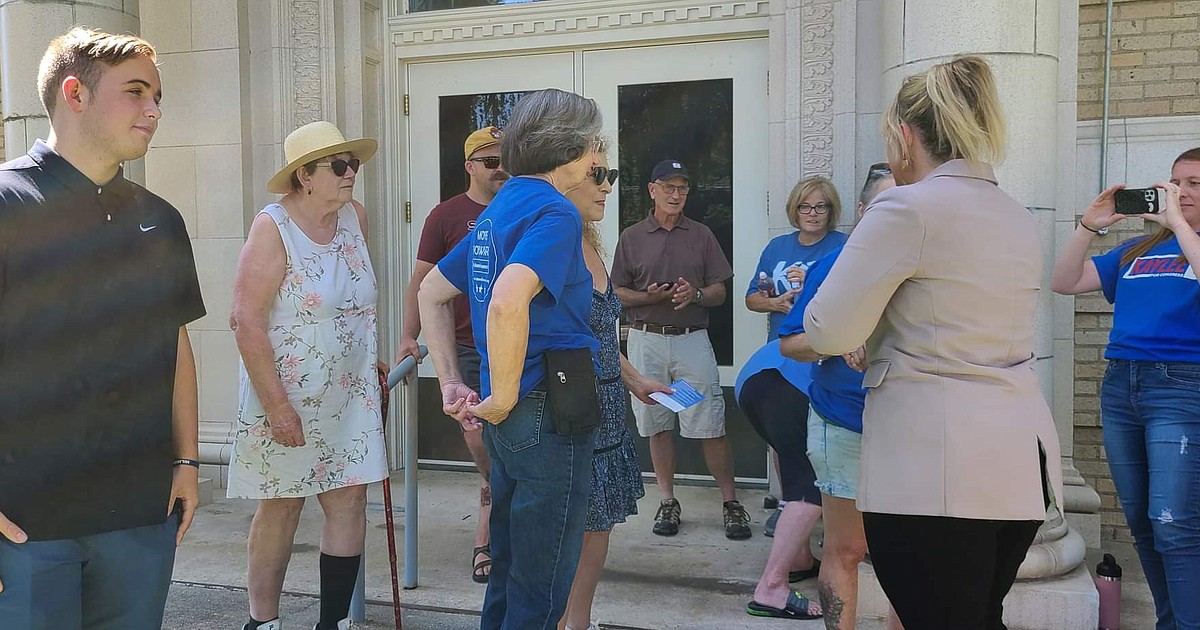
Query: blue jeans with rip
x,y
112,581
1151,417
540,486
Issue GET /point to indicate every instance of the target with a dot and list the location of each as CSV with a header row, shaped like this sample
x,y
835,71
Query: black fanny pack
x,y
572,396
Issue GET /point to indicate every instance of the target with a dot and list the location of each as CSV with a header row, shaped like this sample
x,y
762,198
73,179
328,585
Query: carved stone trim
x,y
307,93
816,87
552,18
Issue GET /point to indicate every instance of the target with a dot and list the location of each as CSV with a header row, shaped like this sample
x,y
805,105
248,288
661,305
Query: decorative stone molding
x,y
554,18
1056,550
816,87
308,34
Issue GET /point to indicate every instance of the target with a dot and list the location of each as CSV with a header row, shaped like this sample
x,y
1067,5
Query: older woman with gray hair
x,y
531,298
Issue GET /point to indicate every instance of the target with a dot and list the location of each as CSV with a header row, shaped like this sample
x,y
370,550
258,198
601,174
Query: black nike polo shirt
x,y
95,282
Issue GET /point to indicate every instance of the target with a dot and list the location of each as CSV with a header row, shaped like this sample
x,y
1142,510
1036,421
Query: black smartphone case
x,y
1138,201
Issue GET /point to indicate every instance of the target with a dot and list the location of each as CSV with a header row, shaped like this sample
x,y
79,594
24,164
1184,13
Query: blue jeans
x,y
111,581
1151,417
540,487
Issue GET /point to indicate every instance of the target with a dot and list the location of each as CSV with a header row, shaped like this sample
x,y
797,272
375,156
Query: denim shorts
x,y
834,452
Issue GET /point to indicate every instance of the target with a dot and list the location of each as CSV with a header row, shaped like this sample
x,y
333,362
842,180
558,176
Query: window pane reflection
x,y
693,122
415,6
458,116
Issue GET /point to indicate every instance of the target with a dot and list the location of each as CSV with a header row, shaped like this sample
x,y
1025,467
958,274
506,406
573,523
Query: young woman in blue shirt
x,y
1150,396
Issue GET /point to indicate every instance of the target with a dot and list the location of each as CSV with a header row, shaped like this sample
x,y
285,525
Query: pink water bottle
x,y
1108,584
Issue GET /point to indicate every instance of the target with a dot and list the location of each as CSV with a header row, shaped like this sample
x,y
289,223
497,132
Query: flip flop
x,y
812,572
477,574
796,608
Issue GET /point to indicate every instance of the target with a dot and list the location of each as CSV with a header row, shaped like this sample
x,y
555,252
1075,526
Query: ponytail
x,y
955,108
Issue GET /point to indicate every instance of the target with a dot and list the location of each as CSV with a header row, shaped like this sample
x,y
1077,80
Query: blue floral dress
x,y
616,471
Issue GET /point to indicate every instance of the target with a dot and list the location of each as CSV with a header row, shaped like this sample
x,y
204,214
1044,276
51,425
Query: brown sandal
x,y
477,573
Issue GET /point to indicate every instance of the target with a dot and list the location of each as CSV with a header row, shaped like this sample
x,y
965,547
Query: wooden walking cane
x,y
385,394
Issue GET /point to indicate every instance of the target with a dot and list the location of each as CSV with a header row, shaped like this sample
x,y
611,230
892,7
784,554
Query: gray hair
x,y
547,129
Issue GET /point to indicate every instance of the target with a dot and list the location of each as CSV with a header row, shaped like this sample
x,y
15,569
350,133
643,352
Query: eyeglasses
x,y
809,208
599,174
491,162
671,189
339,166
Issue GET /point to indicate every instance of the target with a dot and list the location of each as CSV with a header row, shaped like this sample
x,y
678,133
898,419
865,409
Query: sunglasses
x,y
599,174
339,166
491,162
881,168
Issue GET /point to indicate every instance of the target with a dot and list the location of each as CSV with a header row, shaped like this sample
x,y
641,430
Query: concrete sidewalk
x,y
696,580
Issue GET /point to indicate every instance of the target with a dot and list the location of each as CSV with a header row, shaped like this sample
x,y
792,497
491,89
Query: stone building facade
x,y
793,88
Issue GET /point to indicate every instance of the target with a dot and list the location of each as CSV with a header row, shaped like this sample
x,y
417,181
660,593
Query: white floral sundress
x,y
322,330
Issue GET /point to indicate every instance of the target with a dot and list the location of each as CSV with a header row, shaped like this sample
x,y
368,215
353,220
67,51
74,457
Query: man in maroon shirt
x,y
448,223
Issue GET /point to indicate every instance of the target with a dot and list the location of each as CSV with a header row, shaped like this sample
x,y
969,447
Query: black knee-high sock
x,y
338,575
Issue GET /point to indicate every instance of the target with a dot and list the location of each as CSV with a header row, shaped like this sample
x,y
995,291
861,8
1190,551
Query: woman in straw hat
x,y
308,420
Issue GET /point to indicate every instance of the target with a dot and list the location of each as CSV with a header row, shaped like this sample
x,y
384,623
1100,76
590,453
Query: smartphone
x,y
670,283
1139,200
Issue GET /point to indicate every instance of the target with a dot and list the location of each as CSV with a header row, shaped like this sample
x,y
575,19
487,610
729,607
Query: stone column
x,y
238,77
1021,40
25,30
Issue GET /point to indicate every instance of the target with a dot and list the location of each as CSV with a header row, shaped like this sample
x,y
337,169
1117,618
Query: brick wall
x,y
1155,72
1093,319
1155,61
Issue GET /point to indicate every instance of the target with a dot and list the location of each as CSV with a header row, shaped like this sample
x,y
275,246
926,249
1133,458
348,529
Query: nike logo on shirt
x,y
146,228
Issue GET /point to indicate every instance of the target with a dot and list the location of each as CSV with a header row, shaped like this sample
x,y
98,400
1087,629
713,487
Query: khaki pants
x,y
673,357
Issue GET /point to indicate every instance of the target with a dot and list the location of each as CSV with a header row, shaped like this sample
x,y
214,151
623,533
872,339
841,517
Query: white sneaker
x,y
344,624
274,624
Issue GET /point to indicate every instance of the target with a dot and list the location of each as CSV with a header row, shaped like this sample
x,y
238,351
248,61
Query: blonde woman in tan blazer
x,y
959,455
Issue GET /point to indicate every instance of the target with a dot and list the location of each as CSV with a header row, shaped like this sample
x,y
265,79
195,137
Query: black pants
x,y
778,412
943,573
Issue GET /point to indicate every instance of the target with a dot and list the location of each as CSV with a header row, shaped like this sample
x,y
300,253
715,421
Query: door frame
x,y
556,26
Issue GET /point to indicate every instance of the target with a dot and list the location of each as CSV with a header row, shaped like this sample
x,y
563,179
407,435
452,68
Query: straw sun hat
x,y
312,141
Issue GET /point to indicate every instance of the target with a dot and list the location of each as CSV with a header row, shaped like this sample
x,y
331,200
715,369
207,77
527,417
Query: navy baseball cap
x,y
667,169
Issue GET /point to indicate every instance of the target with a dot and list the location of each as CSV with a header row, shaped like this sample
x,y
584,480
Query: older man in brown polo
x,y
668,271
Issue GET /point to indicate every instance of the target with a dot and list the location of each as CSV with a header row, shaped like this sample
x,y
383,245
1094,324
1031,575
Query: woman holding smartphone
x,y
1150,396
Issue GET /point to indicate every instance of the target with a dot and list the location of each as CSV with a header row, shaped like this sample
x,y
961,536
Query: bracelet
x,y
186,462
1084,226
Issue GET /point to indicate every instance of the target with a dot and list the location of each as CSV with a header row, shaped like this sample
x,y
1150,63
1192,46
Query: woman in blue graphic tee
x,y
1150,397
813,208
530,293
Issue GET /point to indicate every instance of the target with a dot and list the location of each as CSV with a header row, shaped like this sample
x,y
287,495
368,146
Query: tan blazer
x,y
941,280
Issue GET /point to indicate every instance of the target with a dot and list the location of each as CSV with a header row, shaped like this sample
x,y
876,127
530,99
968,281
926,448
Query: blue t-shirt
x,y
836,391
783,252
1156,304
769,358
531,223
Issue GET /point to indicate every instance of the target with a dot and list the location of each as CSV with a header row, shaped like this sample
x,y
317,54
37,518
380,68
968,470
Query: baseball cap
x,y
482,139
667,169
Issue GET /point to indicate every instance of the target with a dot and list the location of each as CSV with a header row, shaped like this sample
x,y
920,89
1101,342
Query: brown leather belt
x,y
659,329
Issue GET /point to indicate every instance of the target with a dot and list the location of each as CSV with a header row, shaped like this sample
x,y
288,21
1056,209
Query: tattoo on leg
x,y
831,605
485,496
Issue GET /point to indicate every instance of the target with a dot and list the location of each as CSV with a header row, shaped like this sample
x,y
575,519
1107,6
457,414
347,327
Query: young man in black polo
x,y
98,424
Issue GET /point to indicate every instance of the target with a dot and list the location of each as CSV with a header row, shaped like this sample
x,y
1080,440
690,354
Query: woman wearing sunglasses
x,y
308,419
616,471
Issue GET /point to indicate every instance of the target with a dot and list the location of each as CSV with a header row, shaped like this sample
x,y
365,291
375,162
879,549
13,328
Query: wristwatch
x,y
699,297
